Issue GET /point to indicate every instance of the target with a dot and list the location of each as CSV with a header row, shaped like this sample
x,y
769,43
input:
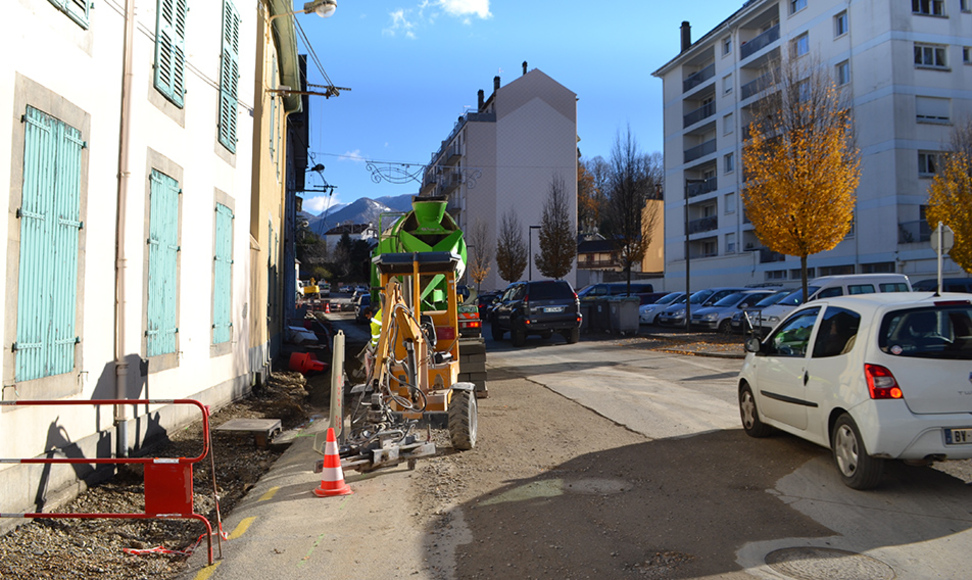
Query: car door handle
x,y
806,378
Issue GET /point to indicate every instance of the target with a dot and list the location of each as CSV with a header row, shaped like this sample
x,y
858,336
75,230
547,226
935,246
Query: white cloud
x,y
400,24
316,205
405,21
352,156
463,8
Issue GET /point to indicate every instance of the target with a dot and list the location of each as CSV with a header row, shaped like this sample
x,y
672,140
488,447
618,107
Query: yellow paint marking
x,y
208,571
241,528
270,493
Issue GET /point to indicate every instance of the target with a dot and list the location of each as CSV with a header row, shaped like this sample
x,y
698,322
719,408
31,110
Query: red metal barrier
x,y
168,481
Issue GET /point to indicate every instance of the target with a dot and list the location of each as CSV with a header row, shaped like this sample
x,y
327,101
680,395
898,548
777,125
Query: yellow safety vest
x,y
376,328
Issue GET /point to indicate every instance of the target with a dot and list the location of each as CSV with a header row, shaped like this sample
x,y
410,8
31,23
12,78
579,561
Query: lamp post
x,y
323,8
530,246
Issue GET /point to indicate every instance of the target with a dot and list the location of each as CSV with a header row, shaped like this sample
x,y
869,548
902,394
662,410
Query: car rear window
x,y
550,291
941,331
860,289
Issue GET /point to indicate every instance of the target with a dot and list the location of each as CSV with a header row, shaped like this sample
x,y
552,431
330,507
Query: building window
x,y
840,24
928,7
728,163
775,275
837,270
170,50
50,225
727,124
77,10
965,5
727,84
710,248
223,275
729,202
932,109
927,163
730,243
229,76
727,45
797,5
842,72
967,54
879,268
161,328
801,45
797,274
930,55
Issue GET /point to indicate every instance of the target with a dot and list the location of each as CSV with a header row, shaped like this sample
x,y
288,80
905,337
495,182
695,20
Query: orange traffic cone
x,y
332,481
327,308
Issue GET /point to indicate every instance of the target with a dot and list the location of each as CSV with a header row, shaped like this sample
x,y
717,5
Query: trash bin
x,y
623,315
585,310
600,315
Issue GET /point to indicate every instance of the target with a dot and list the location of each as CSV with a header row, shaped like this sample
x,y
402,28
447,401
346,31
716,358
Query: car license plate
x,y
554,309
958,437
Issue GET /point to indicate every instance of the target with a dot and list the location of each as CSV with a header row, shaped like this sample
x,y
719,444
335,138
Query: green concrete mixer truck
x,y
428,227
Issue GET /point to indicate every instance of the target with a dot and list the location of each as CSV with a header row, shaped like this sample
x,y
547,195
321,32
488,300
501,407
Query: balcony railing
x,y
695,187
700,150
451,156
706,110
698,78
450,183
757,85
914,232
768,255
705,224
760,42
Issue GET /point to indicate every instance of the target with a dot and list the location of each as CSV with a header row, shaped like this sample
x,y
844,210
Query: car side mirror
x,y
753,344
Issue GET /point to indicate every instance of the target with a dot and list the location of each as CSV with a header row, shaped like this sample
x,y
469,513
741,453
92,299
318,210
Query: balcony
x,y
450,183
694,187
451,156
705,224
767,255
698,78
428,187
706,110
760,42
914,232
757,85
700,150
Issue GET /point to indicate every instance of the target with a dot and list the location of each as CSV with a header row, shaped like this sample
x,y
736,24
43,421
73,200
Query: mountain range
x,y
361,211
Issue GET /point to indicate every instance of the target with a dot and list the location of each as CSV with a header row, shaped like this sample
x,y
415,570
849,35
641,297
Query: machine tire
x,y
725,327
496,331
749,414
857,469
463,420
518,336
572,335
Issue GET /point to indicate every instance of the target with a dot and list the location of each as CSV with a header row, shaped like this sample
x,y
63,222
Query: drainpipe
x,y
121,364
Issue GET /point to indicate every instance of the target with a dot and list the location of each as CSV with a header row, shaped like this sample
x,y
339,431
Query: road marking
x,y
269,495
208,571
310,551
241,528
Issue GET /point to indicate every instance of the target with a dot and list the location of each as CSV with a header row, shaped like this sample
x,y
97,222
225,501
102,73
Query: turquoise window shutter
x,y
163,264
49,232
223,275
170,50
229,76
77,10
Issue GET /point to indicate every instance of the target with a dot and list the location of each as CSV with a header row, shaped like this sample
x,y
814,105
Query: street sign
x,y
947,237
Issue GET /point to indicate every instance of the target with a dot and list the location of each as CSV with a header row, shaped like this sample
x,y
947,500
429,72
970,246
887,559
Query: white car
x,y
647,312
872,377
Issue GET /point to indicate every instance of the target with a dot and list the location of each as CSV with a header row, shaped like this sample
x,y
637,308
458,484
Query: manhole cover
x,y
824,563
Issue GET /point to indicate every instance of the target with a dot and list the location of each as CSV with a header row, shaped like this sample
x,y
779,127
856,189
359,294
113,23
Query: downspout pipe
x,y
124,139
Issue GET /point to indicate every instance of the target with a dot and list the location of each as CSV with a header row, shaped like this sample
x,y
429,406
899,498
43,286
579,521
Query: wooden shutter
x,y
170,50
163,265
222,275
229,76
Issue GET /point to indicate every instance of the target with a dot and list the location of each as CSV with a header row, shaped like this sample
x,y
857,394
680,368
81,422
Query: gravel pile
x,y
96,548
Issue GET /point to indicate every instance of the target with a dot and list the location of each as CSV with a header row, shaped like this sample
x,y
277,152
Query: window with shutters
x,y
77,10
163,265
170,50
229,76
223,275
50,226
932,109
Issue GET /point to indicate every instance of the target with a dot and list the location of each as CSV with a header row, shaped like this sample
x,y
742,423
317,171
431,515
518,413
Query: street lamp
x,y
530,247
323,8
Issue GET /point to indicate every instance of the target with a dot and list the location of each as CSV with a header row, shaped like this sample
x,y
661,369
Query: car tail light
x,y
470,324
881,383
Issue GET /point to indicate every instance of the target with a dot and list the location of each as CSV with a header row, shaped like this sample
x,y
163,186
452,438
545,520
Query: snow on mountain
x,y
362,211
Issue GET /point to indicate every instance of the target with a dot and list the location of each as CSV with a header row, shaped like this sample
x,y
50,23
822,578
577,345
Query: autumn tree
x,y
477,240
801,165
592,177
558,239
511,251
950,194
634,179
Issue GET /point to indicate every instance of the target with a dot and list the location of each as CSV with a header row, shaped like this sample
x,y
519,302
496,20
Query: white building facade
x,y
904,68
504,157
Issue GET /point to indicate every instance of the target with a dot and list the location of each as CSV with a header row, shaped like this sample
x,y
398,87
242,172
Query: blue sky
x,y
415,66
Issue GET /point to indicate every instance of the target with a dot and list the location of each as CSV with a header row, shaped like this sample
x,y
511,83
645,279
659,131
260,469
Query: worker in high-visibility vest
x,y
375,324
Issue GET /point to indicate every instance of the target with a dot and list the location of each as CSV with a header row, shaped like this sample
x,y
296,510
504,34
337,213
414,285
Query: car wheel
x,y
725,327
572,335
496,331
518,335
750,415
463,419
857,469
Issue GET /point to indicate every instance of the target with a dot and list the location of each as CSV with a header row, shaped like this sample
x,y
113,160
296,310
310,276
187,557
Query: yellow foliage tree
x,y
801,165
950,203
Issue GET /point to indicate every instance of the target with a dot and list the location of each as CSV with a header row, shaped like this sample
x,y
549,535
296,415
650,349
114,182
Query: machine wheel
x,y
572,335
857,469
497,331
463,419
750,415
518,335
725,327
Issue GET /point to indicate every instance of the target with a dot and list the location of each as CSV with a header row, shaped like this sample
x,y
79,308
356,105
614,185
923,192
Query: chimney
x,y
496,83
686,35
482,101
524,67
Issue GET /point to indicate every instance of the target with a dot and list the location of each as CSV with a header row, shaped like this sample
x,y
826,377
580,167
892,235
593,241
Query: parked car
x,y
537,308
827,286
361,303
485,302
605,289
872,377
647,312
748,319
948,285
717,317
674,315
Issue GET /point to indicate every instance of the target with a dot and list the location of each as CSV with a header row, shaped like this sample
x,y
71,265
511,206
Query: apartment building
x,y
905,68
504,156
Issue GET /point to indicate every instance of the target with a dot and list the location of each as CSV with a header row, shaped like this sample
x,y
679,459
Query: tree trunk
x,y
803,276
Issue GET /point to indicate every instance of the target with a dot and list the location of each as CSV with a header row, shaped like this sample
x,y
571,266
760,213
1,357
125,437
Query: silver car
x,y
718,316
